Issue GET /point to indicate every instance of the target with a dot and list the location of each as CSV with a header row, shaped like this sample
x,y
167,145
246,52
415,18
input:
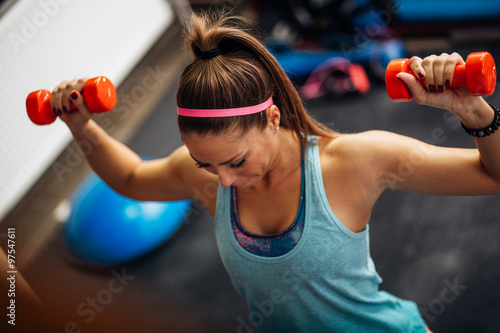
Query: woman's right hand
x,y
66,94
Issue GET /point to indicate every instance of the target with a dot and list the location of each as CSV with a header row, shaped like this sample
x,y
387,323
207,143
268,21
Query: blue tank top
x,y
272,245
326,283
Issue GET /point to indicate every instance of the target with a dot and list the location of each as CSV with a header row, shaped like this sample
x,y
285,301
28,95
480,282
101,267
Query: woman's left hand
x,y
437,73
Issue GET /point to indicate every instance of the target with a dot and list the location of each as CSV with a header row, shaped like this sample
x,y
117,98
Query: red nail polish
x,y
440,88
432,88
421,74
447,83
74,95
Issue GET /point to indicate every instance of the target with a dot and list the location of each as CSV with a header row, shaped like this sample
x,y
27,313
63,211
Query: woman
x,y
294,197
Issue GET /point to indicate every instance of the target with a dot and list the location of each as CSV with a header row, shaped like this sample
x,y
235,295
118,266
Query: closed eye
x,y
239,165
200,165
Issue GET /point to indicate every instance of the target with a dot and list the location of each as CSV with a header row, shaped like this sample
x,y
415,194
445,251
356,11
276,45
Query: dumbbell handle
x,y
478,74
99,94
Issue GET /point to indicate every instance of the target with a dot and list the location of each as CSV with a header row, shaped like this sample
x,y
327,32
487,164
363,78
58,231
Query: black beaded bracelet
x,y
481,133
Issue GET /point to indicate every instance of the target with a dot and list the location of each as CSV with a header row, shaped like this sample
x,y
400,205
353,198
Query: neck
x,y
286,161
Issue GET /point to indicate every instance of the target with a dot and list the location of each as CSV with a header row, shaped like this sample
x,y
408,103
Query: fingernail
x,y
59,112
447,83
65,109
432,88
421,74
440,88
74,95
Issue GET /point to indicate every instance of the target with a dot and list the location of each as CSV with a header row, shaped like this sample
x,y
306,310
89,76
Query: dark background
x,y
441,252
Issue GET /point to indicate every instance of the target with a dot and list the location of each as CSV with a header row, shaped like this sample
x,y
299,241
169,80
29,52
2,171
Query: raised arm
x,y
402,163
451,171
172,178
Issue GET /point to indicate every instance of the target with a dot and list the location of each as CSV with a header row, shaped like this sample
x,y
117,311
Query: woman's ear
x,y
273,116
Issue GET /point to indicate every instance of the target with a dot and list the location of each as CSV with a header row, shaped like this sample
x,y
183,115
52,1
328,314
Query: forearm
x,y
481,116
489,149
110,159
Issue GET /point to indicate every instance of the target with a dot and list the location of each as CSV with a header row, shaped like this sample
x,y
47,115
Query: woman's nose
x,y
226,179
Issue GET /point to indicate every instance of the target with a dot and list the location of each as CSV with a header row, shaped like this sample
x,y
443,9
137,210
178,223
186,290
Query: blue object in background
x,y
374,55
423,11
105,227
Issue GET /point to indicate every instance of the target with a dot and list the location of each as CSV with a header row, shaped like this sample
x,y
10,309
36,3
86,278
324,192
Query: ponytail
x,y
244,74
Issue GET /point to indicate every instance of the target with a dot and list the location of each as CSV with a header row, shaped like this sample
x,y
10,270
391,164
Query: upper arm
x,y
408,164
175,177
357,168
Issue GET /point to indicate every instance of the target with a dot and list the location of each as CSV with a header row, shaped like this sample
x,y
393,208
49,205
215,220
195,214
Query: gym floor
x,y
441,252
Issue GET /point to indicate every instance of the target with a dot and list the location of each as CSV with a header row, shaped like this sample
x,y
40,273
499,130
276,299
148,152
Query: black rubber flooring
x,y
441,252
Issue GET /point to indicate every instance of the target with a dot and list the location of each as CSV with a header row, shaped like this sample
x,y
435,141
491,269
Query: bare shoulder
x,y
360,146
352,167
202,185
193,177
176,177
367,156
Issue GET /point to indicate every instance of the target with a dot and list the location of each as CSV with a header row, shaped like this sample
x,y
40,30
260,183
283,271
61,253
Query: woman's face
x,y
238,160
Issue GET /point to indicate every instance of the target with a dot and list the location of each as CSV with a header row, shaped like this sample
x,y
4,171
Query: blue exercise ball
x,y
105,227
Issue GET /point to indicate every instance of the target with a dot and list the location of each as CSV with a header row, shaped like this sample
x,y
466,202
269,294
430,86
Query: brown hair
x,y
244,74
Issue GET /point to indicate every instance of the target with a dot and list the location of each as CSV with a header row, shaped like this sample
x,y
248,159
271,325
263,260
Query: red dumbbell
x,y
99,94
478,73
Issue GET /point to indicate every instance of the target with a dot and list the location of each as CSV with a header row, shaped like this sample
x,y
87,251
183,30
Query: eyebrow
x,y
223,163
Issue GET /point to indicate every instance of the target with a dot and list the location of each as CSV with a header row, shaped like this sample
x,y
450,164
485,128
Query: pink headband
x,y
232,112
